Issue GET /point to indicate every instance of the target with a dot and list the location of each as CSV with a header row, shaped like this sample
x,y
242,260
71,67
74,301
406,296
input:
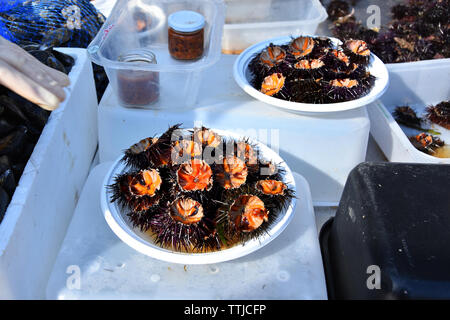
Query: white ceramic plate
x,y
243,77
122,227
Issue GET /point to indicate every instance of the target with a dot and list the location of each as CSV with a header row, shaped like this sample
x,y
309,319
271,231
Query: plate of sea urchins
x,y
198,196
310,74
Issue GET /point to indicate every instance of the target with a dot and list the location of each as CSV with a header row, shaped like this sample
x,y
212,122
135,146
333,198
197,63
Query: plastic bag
x,y
68,23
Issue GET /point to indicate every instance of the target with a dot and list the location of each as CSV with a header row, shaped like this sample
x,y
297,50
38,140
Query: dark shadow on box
x,y
395,216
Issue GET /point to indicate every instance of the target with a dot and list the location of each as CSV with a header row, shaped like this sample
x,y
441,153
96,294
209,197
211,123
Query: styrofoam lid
x,y
186,21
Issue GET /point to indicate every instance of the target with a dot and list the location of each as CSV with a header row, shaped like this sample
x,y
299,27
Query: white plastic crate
x,y
324,149
417,84
36,220
249,22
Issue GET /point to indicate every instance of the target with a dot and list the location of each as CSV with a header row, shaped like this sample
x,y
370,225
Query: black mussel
x,y
4,202
56,38
12,111
36,115
47,58
8,182
5,127
18,169
13,143
80,39
65,59
101,80
4,163
26,151
54,63
41,55
29,46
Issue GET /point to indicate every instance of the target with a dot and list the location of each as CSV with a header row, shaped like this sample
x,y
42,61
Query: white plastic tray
x,y
243,78
94,263
42,206
122,227
417,84
249,22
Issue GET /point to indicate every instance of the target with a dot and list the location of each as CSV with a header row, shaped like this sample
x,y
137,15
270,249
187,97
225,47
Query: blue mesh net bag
x,y
63,23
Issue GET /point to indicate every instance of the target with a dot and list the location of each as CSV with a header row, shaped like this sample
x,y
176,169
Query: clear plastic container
x,y
142,25
249,22
417,84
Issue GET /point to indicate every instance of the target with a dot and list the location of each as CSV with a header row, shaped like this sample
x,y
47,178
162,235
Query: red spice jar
x,y
186,35
137,88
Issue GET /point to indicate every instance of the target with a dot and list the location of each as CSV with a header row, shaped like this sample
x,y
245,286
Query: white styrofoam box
x,y
94,263
248,23
40,211
324,149
417,84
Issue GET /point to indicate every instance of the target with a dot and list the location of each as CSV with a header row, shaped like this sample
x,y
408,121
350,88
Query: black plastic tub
x,y
390,238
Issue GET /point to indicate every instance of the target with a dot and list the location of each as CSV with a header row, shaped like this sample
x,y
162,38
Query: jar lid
x,y
186,21
138,56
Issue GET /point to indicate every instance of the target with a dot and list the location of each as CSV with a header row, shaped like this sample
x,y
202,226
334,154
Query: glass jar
x,y
138,87
186,35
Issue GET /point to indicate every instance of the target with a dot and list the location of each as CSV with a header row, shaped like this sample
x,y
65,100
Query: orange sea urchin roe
x,y
271,187
248,213
194,175
306,64
347,83
186,211
273,84
424,139
358,47
302,64
233,173
143,145
302,46
207,137
272,56
187,147
341,56
246,153
146,183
